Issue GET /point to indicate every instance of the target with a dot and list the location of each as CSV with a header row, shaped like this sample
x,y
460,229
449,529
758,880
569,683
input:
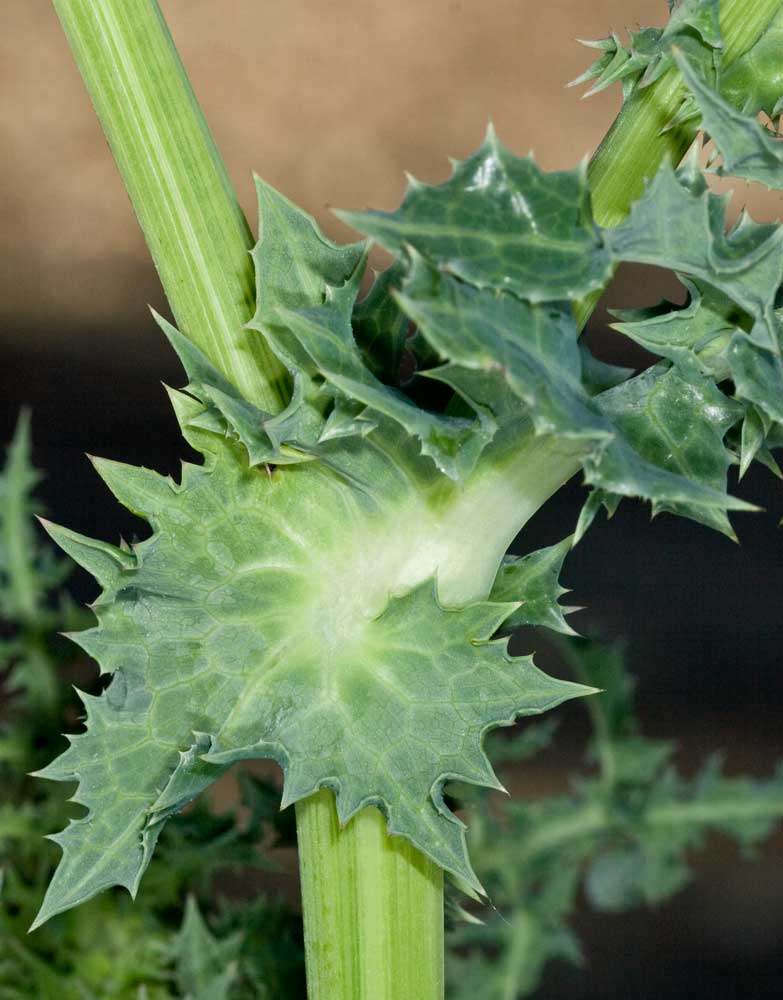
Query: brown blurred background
x,y
331,102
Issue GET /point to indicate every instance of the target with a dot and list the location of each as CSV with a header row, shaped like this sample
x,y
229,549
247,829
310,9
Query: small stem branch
x,y
521,942
16,527
177,182
636,145
373,908
597,819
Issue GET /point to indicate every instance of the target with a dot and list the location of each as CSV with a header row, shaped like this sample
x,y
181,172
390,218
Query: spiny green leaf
x,y
305,311
256,622
676,420
206,967
534,580
325,334
626,429
500,222
295,263
702,327
534,347
679,224
748,149
295,266
693,26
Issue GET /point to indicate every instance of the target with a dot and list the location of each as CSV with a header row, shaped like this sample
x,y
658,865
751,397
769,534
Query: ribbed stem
x,y
636,145
177,183
373,906
373,909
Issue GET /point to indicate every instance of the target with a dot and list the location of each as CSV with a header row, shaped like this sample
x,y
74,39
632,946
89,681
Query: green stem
x,y
636,145
195,229
388,940
598,819
373,909
521,942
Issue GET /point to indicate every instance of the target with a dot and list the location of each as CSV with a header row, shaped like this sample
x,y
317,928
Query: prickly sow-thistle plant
x,y
327,588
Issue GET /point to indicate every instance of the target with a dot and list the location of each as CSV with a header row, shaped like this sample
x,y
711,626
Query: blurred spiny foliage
x,y
113,949
623,833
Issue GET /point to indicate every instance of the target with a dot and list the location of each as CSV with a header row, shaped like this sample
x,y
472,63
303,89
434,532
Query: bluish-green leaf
x,y
534,580
500,222
747,148
676,421
533,347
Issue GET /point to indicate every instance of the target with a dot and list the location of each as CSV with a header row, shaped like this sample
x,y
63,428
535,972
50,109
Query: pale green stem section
x,y
177,183
636,145
373,908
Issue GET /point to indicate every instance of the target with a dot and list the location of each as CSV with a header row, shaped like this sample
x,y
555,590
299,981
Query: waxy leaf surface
x,y
500,222
280,616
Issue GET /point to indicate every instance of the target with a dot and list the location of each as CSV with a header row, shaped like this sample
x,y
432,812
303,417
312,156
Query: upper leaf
x,y
490,332
500,222
748,149
677,421
206,967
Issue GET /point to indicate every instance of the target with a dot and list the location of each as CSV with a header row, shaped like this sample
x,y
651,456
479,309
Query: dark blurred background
x,y
330,103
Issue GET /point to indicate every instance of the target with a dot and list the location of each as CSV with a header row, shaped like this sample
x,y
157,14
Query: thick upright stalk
x,y
373,909
636,144
177,183
373,906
